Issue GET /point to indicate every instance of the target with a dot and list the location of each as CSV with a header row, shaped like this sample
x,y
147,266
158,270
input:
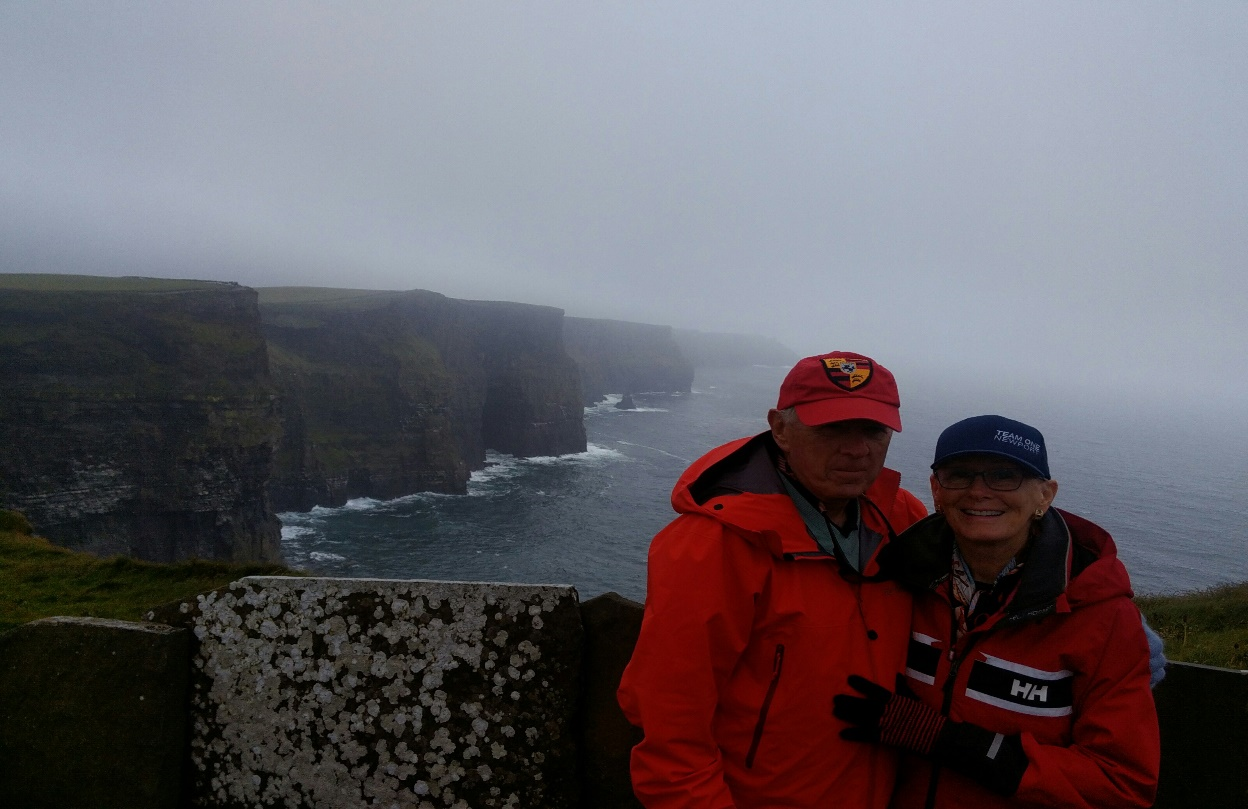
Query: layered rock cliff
x,y
137,416
616,356
389,393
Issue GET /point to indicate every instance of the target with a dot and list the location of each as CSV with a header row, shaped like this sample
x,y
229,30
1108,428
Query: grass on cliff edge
x,y
1208,626
40,580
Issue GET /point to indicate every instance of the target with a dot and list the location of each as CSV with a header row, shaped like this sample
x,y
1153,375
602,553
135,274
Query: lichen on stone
x,y
341,692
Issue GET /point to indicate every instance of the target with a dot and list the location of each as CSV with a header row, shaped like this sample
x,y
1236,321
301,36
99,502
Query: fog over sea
x,y
1170,489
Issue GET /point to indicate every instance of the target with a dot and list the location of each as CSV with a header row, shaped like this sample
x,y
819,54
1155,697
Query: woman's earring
x,y
938,508
1039,513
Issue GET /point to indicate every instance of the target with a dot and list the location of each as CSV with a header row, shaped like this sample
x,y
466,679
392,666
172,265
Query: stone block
x,y
1203,711
92,714
352,692
612,624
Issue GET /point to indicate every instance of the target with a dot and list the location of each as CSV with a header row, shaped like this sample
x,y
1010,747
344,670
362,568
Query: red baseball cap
x,y
839,386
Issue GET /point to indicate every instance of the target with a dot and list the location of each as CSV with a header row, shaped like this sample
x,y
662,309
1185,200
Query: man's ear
x,y
778,424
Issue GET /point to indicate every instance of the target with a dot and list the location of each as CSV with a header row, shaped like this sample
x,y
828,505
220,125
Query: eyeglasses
x,y
1003,479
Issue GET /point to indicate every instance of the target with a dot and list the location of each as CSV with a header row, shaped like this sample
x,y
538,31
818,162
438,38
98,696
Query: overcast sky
x,y
1015,194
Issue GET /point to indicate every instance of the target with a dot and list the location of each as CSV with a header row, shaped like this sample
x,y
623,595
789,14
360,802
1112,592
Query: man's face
x,y
836,461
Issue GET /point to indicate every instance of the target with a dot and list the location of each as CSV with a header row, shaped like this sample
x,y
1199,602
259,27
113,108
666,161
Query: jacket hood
x,y
737,484
1070,563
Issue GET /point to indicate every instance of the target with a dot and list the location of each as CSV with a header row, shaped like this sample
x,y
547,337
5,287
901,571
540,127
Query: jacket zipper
x,y
955,664
776,667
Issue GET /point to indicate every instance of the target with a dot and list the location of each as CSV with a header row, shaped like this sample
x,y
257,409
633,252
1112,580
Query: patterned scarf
x,y
973,602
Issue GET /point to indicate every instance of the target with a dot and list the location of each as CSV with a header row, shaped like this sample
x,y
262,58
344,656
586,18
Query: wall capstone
x,y
353,692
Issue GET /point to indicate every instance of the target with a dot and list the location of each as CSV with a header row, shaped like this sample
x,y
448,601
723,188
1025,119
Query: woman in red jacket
x,y
1027,679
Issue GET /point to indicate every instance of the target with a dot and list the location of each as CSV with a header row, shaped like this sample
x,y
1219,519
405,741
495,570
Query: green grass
x,y
324,295
1208,626
40,580
54,282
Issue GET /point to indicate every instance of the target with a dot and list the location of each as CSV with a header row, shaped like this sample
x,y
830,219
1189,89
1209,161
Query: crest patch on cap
x,y
847,373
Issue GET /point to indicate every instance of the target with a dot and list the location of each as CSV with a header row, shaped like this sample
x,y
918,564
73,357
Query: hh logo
x,y
1030,692
847,373
1016,687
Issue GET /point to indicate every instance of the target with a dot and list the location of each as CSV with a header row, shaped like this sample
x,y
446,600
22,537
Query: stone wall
x,y
1203,712
92,714
352,693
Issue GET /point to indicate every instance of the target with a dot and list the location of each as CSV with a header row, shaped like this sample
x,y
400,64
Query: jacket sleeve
x,y
697,622
907,510
1115,751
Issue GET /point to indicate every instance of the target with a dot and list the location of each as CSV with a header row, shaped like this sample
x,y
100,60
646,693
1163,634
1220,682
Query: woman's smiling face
x,y
981,515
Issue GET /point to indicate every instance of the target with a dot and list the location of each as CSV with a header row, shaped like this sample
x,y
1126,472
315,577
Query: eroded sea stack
x,y
137,416
389,393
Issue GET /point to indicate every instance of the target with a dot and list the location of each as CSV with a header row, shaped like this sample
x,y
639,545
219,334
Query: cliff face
x,y
615,356
717,349
389,393
137,416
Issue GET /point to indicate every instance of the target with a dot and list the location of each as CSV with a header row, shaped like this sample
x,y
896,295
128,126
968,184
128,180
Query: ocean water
x,y
1171,491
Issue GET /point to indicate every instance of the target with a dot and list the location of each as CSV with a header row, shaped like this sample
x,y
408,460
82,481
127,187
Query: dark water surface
x,y
1173,501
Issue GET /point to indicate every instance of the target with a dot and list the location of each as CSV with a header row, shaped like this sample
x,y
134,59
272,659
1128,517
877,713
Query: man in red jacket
x,y
764,595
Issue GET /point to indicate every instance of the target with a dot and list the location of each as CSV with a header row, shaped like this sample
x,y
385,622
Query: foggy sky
x,y
1017,194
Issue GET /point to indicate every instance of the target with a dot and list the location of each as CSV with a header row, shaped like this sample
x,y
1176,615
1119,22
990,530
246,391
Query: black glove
x,y
901,720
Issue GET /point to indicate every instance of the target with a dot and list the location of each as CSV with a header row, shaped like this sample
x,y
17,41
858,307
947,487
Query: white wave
x,y
318,556
290,532
497,465
613,399
608,405
500,467
288,517
654,449
593,453
357,504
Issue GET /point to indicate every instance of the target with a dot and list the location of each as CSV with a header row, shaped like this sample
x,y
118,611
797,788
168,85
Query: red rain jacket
x,y
749,631
1064,663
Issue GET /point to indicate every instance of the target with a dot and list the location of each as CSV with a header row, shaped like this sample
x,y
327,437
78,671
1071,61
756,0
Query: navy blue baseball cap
x,y
994,435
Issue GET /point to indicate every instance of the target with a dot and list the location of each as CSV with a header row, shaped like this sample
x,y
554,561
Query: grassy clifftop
x,y
1209,626
39,580
95,283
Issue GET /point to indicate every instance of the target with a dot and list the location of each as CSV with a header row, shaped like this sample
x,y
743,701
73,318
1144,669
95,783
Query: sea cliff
x,y
726,350
166,420
137,416
389,393
616,356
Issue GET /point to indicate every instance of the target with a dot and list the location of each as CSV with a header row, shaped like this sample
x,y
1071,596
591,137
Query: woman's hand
x,y
903,721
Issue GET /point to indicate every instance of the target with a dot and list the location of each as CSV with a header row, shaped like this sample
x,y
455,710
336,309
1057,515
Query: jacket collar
x,y
920,560
713,484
